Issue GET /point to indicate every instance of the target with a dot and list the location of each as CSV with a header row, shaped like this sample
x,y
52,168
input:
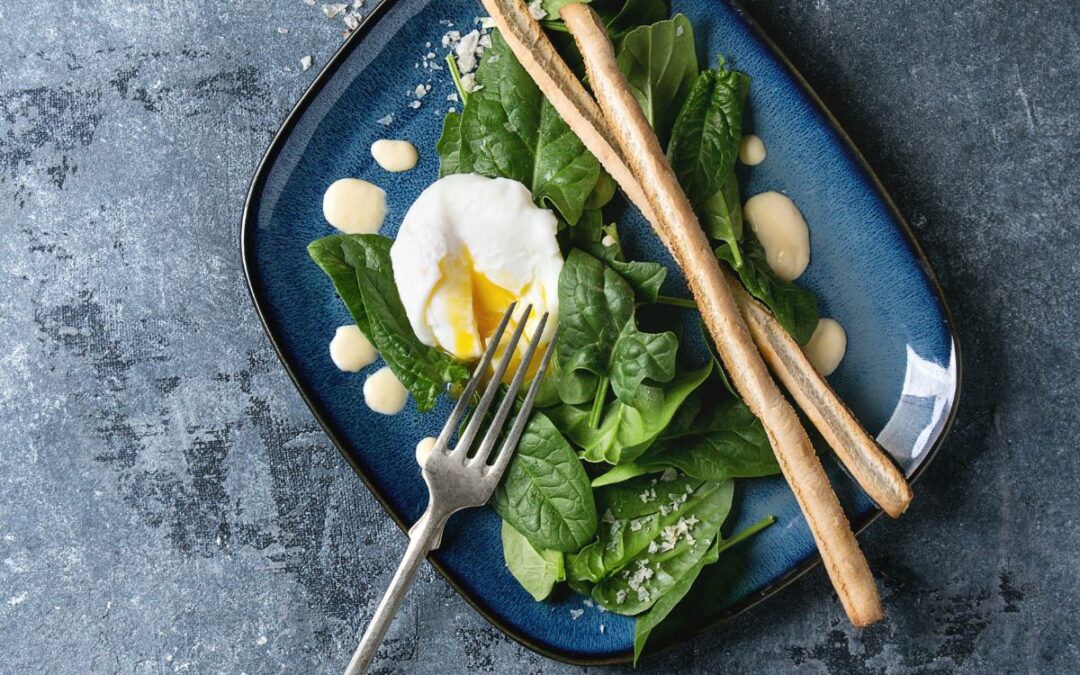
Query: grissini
x,y
860,454
682,234
858,451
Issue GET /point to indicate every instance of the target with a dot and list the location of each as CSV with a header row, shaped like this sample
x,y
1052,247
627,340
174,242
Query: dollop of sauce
x,y
354,206
782,230
350,349
384,393
394,156
423,450
752,150
827,346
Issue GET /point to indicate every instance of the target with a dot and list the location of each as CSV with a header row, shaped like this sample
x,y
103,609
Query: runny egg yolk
x,y
478,303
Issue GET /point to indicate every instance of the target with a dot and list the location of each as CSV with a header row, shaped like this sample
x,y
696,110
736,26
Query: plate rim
x,y
248,224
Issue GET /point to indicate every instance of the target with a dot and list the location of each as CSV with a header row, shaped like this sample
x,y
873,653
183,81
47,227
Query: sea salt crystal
x,y
466,51
468,83
486,22
333,10
575,614
620,597
352,21
414,104
679,30
536,9
452,96
588,602
601,629
305,62
669,475
283,30
386,120
420,91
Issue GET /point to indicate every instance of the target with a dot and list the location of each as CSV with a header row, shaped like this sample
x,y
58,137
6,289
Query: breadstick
x,y
682,234
858,451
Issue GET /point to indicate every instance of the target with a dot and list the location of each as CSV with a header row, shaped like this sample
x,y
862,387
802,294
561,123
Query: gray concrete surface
x,y
167,503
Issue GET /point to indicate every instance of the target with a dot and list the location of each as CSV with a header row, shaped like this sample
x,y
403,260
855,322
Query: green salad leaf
x,y
793,306
725,441
509,129
704,144
626,431
545,494
645,623
599,333
536,571
689,527
359,266
660,64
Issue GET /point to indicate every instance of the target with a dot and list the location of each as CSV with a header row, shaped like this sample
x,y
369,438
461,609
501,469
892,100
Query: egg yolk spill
x,y
478,306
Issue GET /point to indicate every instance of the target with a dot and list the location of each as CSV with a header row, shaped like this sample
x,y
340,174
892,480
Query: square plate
x,y
901,374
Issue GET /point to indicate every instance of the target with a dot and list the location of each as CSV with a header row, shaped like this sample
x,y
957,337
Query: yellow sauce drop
x,y
752,150
354,206
394,156
384,393
827,346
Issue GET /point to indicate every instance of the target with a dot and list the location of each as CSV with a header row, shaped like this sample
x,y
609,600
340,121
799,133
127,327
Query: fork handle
x,y
424,536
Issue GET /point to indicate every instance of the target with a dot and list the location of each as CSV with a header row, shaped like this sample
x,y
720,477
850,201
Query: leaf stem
x,y
671,300
455,74
598,402
745,534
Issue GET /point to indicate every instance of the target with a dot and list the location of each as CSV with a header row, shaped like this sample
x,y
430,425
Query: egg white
x,y
464,228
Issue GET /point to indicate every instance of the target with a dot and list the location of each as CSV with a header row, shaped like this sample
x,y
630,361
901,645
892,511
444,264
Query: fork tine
x,y
442,442
492,435
511,442
481,408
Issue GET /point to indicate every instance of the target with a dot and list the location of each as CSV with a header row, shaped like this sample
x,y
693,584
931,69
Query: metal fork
x,y
458,478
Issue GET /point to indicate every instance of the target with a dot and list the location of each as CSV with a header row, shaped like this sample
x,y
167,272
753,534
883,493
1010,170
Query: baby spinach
x,y
687,533
725,441
793,306
660,64
536,571
509,129
599,333
545,493
645,623
704,145
626,431
359,266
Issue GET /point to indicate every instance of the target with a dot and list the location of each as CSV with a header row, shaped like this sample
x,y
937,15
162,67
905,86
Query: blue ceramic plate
x,y
901,373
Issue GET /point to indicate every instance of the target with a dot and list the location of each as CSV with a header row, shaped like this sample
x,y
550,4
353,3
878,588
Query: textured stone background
x,y
168,504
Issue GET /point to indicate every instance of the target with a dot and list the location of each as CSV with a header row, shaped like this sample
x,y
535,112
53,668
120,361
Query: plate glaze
x,y
901,374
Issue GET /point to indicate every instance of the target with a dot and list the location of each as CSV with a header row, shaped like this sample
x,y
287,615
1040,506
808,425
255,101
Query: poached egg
x,y
468,247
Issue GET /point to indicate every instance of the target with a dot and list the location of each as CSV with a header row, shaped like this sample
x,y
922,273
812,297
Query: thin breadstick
x,y
682,234
858,451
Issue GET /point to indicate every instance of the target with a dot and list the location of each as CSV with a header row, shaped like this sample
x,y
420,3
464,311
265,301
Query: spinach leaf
x,y
545,493
645,623
622,17
449,145
626,431
599,333
686,535
660,65
643,496
793,306
645,278
508,129
703,148
359,266
726,441
536,571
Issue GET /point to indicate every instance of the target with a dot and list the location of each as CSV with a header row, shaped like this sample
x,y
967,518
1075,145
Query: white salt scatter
x,y
283,30
601,629
420,91
485,41
262,640
608,240
679,30
669,475
305,62
452,96
451,109
386,120
414,104
607,517
620,597
575,614
17,599
468,83
352,21
588,602
486,22
536,9
466,51
333,10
